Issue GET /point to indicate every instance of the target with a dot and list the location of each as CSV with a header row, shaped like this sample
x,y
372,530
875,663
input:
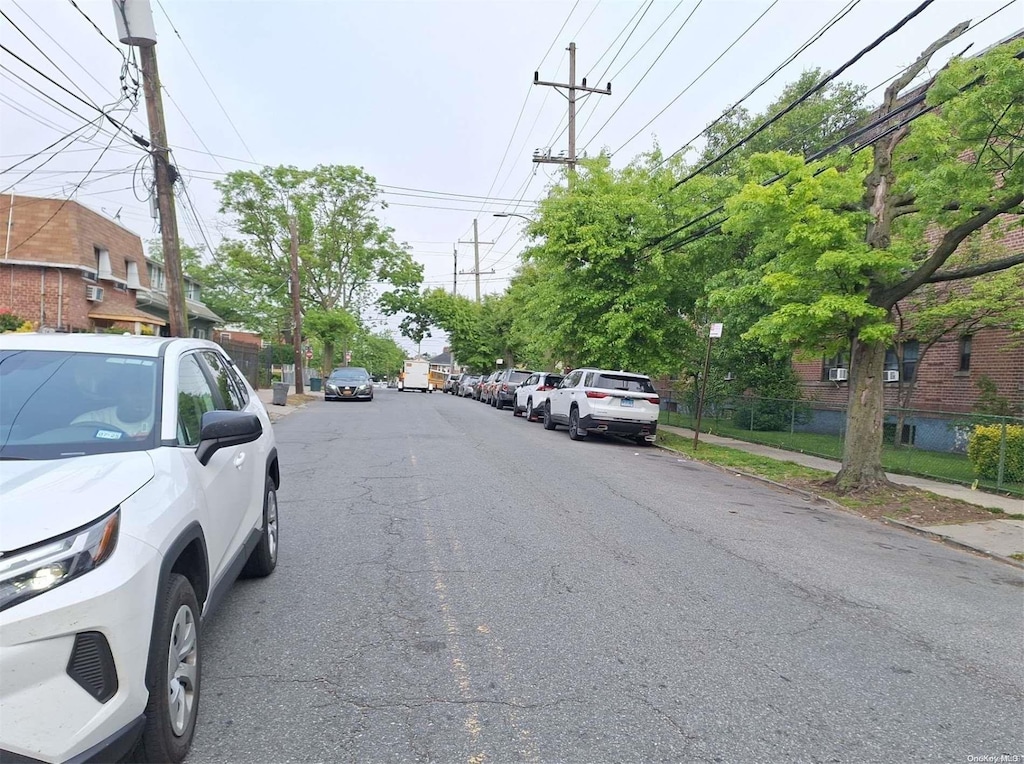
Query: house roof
x,y
442,359
127,314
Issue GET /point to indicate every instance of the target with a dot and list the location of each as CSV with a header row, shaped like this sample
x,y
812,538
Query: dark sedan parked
x,y
351,382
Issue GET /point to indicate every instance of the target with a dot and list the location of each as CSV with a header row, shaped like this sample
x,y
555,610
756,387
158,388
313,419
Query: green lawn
x,y
948,467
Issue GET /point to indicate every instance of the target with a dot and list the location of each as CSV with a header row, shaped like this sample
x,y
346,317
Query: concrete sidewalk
x,y
997,537
276,412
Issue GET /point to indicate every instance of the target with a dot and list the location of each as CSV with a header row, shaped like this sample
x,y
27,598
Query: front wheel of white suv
x,y
173,676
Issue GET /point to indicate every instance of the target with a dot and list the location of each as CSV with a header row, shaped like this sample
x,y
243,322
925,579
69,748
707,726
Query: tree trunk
x,y
328,357
862,449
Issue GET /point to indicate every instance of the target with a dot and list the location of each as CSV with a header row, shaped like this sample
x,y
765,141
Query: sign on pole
x,y
716,331
309,355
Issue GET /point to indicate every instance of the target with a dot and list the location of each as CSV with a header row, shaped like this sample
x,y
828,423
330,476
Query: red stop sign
x,y
309,355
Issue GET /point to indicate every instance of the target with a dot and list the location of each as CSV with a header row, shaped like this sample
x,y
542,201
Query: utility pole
x,y
544,156
135,27
455,269
476,258
293,229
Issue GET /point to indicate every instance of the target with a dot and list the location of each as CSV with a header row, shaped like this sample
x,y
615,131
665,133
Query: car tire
x,y
173,705
263,559
549,423
516,411
499,404
531,415
575,433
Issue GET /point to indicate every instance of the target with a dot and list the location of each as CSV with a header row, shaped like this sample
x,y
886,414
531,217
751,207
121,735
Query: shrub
x,y
8,321
983,451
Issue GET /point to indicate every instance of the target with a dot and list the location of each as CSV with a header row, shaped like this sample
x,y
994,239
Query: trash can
x,y
281,393
314,384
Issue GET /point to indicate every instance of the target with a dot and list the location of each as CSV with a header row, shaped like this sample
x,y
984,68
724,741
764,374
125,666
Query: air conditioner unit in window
x,y
890,375
94,293
838,375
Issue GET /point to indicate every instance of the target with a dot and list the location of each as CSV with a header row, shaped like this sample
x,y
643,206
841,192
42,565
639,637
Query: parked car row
x,y
584,400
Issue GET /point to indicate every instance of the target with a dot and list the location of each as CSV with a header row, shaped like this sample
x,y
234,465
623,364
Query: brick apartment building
x,y
67,268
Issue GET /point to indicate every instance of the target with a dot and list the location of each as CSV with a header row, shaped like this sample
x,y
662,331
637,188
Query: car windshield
x,y
629,384
349,377
518,376
56,405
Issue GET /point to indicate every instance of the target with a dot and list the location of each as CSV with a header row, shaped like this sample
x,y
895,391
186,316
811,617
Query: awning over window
x,y
130,316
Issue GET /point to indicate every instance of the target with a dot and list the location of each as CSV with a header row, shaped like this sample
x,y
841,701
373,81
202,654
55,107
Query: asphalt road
x,y
457,585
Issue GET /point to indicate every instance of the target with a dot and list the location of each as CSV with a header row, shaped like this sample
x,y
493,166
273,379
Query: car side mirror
x,y
221,429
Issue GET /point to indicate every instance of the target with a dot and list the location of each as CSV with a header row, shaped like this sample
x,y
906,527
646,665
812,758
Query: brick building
x,y
947,377
67,268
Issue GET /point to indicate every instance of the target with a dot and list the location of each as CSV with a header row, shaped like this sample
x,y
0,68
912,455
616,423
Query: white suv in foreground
x,y
599,400
139,477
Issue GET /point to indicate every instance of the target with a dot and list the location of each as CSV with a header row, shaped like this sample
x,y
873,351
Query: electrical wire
x,y
205,80
649,68
839,16
56,212
559,32
811,91
138,138
640,8
191,127
695,80
102,34
36,169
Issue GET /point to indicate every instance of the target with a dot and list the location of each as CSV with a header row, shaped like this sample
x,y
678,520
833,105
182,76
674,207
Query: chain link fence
x,y
972,449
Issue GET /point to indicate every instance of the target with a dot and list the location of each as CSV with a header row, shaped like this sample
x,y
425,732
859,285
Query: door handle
x,y
239,460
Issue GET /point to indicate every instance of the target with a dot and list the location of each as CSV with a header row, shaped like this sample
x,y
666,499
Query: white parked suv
x,y
530,395
599,400
138,478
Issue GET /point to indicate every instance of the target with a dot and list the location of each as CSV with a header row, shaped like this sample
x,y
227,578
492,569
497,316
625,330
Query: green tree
x,y
332,327
820,121
931,188
344,250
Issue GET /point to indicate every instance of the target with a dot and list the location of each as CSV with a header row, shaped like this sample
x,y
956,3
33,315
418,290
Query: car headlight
x,y
32,571
364,387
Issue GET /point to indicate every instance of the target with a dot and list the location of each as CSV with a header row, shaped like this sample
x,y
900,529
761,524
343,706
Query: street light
x,y
512,215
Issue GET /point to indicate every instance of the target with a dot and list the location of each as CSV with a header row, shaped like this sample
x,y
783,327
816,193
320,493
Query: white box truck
x,y
415,376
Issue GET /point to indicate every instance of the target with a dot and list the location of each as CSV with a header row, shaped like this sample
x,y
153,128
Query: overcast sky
x,y
425,95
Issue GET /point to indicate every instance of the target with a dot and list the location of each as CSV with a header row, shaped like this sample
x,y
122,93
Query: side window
x,y
224,376
195,398
573,379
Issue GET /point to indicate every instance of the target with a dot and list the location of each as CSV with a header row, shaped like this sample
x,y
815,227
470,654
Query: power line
x,y
192,127
43,151
64,50
208,85
100,31
696,79
62,204
138,138
839,16
649,68
44,54
811,91
621,48
611,45
560,30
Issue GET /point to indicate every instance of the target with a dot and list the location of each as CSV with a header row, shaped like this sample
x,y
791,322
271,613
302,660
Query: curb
x,y
952,542
835,505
